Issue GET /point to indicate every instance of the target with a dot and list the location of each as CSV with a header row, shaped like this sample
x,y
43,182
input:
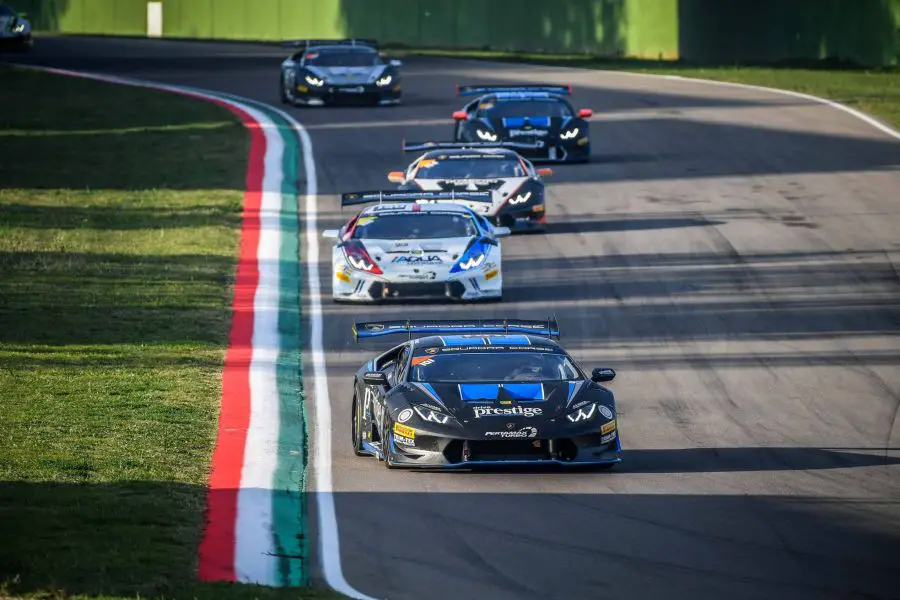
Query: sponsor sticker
x,y
405,415
607,427
404,430
414,260
427,163
605,411
605,439
422,361
363,221
537,132
431,350
524,433
515,411
400,439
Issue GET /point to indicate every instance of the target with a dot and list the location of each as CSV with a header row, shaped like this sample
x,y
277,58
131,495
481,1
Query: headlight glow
x,y
473,262
314,81
520,198
487,135
431,415
384,81
583,414
19,28
568,135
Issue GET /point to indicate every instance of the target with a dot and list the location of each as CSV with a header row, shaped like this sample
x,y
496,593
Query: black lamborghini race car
x,y
479,393
526,113
516,187
339,72
15,30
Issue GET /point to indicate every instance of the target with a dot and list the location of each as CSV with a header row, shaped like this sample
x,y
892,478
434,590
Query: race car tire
x,y
356,430
281,91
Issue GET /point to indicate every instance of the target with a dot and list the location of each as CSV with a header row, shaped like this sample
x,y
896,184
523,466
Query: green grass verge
x,y
876,92
119,222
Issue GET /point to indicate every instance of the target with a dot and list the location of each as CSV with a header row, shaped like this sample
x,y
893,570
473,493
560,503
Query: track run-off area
x,y
730,251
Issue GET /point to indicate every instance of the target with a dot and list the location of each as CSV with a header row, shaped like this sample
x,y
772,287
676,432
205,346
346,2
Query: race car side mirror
x,y
375,378
460,115
585,113
603,374
395,63
331,234
502,231
396,176
545,172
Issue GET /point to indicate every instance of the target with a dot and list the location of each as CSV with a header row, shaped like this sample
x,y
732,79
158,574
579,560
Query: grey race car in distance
x,y
472,393
516,187
348,72
15,30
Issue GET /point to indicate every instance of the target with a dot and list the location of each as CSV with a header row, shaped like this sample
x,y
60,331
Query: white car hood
x,y
409,257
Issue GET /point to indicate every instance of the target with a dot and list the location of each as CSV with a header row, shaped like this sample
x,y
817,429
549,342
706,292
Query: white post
x,y
154,19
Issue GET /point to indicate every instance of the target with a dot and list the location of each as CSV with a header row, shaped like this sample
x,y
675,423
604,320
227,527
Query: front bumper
x,y
435,451
16,41
347,95
559,151
350,285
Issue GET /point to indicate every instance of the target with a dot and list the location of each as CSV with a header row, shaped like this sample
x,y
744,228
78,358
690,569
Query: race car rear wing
x,y
422,146
369,329
477,90
353,198
348,42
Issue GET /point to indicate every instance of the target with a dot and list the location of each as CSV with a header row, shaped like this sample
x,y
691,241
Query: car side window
x,y
401,364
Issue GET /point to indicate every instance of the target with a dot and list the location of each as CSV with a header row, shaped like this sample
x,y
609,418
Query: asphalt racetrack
x,y
732,253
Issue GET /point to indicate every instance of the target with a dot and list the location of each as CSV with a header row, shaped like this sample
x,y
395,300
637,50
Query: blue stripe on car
x,y
488,392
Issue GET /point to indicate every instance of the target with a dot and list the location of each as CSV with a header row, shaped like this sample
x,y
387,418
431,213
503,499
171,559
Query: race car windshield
x,y
5,11
474,168
341,58
528,108
414,226
473,367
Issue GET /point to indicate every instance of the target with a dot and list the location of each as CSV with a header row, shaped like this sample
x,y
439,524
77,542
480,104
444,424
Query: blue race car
x,y
535,114
473,393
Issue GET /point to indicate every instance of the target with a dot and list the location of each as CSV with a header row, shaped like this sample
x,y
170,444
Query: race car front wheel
x,y
356,428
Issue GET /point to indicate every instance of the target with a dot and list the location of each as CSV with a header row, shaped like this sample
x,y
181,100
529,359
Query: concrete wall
x,y
709,31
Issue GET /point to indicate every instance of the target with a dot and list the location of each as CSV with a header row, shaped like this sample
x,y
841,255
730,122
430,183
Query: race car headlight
x,y
487,136
434,416
568,135
19,28
520,198
314,81
585,413
591,411
383,81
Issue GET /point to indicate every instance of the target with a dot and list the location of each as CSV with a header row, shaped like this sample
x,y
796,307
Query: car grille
x,y
507,450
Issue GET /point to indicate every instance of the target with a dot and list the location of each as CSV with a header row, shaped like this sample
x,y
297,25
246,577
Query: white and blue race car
x,y
415,245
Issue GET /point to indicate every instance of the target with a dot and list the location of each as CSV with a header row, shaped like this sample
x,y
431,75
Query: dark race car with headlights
x,y
339,72
526,113
15,30
474,393
516,187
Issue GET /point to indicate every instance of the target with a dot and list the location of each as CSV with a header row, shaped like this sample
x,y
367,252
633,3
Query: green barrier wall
x,y
728,31
709,31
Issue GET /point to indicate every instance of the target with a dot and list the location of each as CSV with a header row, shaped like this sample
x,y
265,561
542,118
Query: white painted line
x,y
255,560
329,540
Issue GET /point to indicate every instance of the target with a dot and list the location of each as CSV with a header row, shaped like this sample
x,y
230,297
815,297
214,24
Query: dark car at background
x,y
526,113
15,30
349,72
